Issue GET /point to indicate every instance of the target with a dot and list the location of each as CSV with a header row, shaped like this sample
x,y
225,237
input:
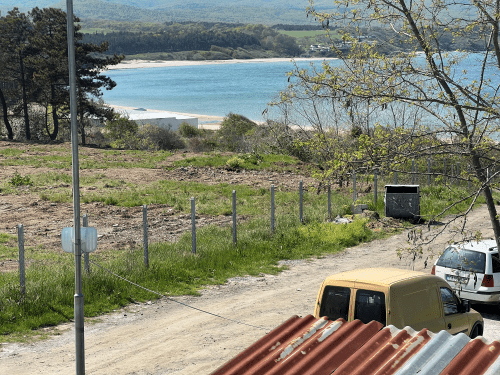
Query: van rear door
x,y
370,305
456,321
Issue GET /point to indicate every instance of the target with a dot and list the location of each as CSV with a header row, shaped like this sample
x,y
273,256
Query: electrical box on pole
x,y
88,239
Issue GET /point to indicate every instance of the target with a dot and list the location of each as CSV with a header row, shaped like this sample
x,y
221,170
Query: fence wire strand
x,y
173,300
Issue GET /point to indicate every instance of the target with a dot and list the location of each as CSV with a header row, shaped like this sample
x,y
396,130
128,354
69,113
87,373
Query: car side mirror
x,y
465,305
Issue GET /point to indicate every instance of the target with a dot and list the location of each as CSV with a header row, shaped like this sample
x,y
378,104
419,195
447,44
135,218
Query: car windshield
x,y
462,259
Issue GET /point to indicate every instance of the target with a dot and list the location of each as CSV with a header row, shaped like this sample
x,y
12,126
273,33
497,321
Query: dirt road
x,y
164,337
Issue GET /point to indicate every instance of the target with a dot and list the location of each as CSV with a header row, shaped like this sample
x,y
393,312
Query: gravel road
x,y
163,337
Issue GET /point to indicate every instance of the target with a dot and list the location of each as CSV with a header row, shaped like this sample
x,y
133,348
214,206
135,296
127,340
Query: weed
x,y
18,180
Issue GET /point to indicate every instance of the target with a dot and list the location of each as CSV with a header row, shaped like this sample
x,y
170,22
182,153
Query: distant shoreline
x,y
140,64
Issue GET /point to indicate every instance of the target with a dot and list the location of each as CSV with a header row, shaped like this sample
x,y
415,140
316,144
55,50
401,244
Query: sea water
x,y
209,89
218,89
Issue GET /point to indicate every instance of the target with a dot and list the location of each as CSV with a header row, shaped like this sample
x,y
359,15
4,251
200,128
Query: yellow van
x,y
398,297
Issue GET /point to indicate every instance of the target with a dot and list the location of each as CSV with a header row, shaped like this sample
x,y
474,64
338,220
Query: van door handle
x,y
449,325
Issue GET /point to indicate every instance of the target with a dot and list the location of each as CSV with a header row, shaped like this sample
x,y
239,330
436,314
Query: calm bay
x,y
207,89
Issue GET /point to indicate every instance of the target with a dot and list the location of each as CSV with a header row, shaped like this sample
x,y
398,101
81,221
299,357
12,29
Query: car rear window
x,y
462,259
370,305
335,302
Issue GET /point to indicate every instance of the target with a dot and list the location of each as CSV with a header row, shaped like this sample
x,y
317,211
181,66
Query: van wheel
x,y
476,331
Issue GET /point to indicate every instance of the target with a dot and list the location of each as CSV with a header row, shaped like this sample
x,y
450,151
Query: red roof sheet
x,y
321,347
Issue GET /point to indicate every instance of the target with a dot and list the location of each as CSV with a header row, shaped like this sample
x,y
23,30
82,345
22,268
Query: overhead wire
x,y
173,300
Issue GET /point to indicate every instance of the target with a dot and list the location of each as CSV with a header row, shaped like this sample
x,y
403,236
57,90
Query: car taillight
x,y
488,281
433,271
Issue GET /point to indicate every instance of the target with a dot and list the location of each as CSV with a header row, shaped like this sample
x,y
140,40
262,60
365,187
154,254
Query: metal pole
x,y
145,237
429,171
234,217
78,297
86,260
272,208
301,201
22,274
375,184
193,225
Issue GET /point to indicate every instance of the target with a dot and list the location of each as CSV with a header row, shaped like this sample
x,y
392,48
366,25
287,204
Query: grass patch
x,y
173,270
60,158
11,152
248,161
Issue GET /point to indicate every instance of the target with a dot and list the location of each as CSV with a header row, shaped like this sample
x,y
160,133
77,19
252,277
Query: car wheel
x,y
475,332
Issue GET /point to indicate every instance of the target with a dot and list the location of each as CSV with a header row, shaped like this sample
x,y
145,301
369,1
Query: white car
x,y
472,269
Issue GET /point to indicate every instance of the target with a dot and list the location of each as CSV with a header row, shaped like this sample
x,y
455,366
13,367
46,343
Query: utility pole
x,y
78,298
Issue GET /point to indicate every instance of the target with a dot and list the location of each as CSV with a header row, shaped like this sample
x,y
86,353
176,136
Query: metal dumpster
x,y
402,201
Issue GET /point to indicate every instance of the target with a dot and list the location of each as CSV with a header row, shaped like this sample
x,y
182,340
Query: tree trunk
x,y
10,133
55,119
25,99
490,203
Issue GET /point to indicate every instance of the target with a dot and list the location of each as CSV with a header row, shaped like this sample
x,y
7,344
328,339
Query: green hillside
x,y
244,11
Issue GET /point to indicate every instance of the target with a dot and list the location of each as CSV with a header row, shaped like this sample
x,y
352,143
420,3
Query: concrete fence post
x,y
234,218
145,234
329,200
354,196
301,201
272,208
193,226
429,171
22,272
413,171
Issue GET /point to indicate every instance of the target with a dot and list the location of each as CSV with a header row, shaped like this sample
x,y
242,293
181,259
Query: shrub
x,y
201,144
159,138
232,132
122,132
189,131
235,163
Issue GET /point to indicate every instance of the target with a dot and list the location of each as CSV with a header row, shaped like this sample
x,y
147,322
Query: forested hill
x,y
222,41
267,12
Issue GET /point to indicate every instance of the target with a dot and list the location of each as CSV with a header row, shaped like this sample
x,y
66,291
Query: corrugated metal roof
x,y
307,346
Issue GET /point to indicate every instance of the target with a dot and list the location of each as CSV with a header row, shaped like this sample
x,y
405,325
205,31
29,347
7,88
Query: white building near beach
x,y
160,118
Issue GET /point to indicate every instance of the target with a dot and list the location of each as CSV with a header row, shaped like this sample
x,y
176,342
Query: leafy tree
x,y
458,111
49,58
36,56
15,30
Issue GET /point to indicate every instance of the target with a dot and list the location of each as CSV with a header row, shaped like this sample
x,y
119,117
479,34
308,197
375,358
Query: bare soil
x,y
121,228
164,337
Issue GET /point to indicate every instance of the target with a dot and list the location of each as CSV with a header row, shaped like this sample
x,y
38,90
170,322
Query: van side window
x,y
335,302
450,301
496,262
369,305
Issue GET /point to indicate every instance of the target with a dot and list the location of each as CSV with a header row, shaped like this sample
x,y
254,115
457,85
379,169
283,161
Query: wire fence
x,y
362,183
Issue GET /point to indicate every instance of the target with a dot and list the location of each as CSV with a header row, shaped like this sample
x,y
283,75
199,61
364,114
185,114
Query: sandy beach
x,y
136,64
